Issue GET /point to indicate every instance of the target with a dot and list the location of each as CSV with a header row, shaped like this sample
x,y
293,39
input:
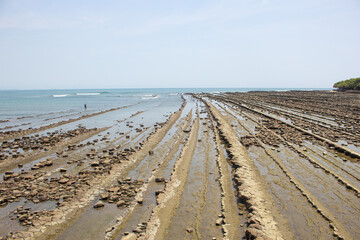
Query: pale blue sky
x,y
48,44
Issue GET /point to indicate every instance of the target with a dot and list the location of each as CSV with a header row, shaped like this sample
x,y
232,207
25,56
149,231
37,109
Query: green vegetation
x,y
350,84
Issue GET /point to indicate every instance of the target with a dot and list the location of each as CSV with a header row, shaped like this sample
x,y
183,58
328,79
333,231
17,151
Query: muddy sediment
x,y
257,165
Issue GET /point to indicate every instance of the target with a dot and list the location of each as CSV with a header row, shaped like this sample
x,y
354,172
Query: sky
x,y
85,44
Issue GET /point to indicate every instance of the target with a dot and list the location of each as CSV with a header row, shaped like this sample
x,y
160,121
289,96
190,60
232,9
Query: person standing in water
x,y
85,106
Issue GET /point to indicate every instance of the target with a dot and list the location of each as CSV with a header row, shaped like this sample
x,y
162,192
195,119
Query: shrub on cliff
x,y
350,84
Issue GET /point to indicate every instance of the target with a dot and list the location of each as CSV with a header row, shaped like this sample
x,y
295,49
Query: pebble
x,y
99,204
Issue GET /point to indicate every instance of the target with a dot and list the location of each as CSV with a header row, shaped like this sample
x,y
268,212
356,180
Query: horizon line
x,y
44,89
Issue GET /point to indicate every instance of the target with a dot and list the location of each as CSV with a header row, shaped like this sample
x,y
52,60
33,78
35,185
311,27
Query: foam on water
x,y
60,95
150,97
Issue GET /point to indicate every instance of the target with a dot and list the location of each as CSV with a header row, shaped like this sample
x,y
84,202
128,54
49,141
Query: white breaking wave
x,y
61,95
150,97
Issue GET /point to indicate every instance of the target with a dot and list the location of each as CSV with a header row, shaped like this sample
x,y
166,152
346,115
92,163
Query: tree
x,y
349,84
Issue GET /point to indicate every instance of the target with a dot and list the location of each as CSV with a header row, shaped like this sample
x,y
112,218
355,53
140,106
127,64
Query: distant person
x,y
85,106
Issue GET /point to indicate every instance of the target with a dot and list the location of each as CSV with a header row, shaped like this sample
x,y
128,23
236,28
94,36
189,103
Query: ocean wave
x,y
87,94
60,95
150,97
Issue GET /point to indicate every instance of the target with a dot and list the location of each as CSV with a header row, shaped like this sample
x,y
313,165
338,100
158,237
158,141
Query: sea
x,y
22,104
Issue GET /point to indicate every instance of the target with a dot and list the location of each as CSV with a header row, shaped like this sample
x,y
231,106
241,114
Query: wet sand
x,y
257,165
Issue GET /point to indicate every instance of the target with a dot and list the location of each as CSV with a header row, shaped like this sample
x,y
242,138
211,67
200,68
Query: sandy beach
x,y
236,165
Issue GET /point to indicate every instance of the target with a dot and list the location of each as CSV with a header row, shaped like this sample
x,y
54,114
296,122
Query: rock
x,y
120,203
189,230
104,196
28,177
219,221
63,180
6,177
22,218
129,236
159,179
252,233
137,230
158,192
257,226
95,164
48,163
99,204
62,170
140,201
114,189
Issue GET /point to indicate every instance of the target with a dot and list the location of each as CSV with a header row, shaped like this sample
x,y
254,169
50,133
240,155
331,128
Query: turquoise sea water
x,y
17,103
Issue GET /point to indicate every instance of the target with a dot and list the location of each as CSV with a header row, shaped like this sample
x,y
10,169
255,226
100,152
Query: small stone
x,y
219,221
137,230
63,180
99,204
48,163
120,203
159,179
158,192
114,189
104,196
189,230
95,164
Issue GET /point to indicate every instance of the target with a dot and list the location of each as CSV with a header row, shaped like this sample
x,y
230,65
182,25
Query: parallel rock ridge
x,y
261,222
256,165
